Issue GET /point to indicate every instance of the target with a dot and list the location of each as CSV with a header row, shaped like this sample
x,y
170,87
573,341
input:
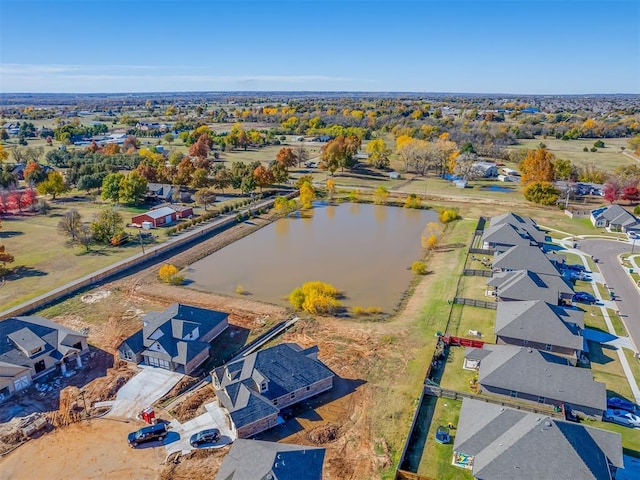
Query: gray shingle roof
x,y
170,327
522,257
538,321
32,331
522,224
511,444
528,285
538,373
284,368
258,460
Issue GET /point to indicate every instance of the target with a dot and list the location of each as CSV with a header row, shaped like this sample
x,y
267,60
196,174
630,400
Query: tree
x,y
378,153
284,206
381,195
184,172
222,178
200,178
168,138
111,186
262,176
340,153
431,235
564,169
70,223
412,201
279,172
307,194
169,274
465,166
107,224
286,157
130,144
611,191
537,166
302,155
542,193
53,185
205,197
5,258
89,182
315,298
34,173
85,236
133,187
4,154
419,268
331,188
201,147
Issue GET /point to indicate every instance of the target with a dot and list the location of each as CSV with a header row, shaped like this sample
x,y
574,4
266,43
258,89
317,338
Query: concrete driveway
x,y
214,418
142,390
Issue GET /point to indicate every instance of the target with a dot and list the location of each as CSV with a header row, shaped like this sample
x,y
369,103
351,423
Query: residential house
x,y
615,219
527,285
497,443
254,459
525,228
538,376
160,191
254,389
523,257
541,325
158,218
176,339
33,346
485,169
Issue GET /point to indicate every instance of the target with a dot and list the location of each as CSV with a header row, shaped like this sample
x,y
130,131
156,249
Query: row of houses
x,y
538,347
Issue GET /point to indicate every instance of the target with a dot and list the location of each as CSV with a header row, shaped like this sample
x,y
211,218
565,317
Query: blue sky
x,y
508,46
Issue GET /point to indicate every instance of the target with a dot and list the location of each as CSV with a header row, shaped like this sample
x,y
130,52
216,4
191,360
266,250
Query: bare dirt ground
x,y
94,449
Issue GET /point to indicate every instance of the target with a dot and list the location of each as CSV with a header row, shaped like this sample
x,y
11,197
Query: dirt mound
x,y
193,404
201,464
10,440
183,384
324,434
95,296
106,388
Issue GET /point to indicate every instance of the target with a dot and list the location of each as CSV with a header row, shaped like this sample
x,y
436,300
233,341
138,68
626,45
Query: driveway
x,y
214,418
627,296
142,390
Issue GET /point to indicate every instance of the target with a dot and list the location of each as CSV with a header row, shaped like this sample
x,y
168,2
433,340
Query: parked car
x,y
147,434
575,266
621,404
584,297
210,435
622,417
442,435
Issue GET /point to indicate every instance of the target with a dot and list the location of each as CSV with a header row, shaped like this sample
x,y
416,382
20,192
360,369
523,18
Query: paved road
x,y
627,296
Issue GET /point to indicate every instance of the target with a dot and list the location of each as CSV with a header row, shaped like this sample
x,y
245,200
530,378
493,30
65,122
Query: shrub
x,y
240,290
315,298
412,201
172,231
374,310
419,268
169,274
447,216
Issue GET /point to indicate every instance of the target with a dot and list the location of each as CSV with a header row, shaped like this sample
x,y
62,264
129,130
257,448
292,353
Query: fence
x,y
481,251
138,259
472,272
462,342
475,303
405,475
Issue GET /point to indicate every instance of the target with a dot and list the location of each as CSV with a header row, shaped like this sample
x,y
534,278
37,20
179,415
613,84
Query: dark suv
x,y
147,434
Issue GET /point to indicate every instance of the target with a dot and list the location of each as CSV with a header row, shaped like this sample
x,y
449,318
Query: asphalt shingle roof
x,y
258,460
528,285
522,257
511,444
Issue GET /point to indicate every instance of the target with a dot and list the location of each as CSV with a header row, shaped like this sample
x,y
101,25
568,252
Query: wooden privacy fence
x,y
471,272
475,303
404,475
481,251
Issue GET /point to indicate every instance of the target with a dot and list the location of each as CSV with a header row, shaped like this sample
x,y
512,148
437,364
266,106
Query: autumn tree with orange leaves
x,y
537,166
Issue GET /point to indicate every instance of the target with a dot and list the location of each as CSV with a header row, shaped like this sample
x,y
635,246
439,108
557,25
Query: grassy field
x,y
607,158
474,287
440,456
466,317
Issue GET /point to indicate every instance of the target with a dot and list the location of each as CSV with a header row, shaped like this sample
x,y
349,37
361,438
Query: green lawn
x,y
467,317
436,458
472,286
593,318
454,376
606,368
618,326
634,364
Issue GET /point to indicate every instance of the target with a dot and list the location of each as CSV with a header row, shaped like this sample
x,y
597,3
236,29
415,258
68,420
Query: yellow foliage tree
x,y
331,188
447,216
537,166
381,195
419,268
169,274
307,194
431,242
412,201
315,298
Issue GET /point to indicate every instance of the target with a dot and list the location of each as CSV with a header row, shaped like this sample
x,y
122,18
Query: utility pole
x,y
141,242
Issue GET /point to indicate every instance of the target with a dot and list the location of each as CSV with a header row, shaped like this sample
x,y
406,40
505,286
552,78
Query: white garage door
x,y
157,362
22,382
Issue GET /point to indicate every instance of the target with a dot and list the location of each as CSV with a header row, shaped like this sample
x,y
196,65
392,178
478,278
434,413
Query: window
x,y
525,342
514,394
541,399
308,388
36,350
275,402
293,394
263,387
548,347
39,366
127,355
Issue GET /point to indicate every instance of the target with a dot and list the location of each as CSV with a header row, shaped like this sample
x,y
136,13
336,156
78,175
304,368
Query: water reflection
x,y
364,250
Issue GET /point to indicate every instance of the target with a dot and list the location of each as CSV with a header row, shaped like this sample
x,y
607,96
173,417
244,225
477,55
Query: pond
x,y
365,251
497,188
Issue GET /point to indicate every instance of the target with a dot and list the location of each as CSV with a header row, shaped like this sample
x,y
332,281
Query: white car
x,y
622,417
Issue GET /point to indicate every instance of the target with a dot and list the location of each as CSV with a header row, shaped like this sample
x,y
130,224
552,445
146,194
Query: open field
x,y
608,158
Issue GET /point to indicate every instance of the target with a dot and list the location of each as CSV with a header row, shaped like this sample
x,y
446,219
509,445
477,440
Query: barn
x,y
159,217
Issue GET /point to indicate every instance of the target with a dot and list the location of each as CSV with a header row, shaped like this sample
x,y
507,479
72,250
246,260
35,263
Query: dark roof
x,y
531,371
30,332
524,225
170,330
528,285
283,368
508,443
522,257
258,460
541,322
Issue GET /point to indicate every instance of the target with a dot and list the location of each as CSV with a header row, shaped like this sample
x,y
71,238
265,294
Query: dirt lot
x,y
96,449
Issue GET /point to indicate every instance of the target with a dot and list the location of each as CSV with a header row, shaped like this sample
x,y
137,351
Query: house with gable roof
x,y
253,389
527,285
508,230
541,325
496,443
32,346
177,339
615,219
524,257
537,376
254,459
